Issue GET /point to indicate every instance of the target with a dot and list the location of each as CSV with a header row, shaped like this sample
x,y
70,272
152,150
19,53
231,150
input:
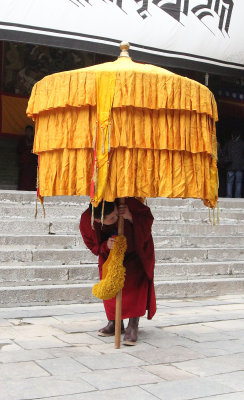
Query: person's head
x,y
236,134
110,213
29,132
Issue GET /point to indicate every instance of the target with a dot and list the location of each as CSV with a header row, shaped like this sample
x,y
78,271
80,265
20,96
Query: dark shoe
x,y
109,330
131,332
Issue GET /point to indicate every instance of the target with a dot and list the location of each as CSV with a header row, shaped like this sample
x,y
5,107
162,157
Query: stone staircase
x,y
44,261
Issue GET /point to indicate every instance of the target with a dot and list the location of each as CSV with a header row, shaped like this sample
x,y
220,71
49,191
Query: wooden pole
x,y
119,295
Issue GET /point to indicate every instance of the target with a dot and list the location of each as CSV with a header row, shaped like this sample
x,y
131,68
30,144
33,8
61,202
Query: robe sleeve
x,y
142,223
90,237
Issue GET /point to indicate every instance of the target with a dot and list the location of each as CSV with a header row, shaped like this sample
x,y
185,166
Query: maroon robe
x,y
138,294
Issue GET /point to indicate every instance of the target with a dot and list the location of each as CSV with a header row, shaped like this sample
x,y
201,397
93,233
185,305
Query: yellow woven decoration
x,y
113,275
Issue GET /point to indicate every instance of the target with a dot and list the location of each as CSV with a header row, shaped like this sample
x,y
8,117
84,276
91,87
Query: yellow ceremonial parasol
x,y
124,129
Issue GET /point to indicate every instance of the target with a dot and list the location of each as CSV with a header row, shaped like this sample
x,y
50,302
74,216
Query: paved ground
x,y
192,349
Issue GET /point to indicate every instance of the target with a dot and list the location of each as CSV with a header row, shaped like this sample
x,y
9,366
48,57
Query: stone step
x,y
198,288
84,256
50,274
46,294
159,228
183,229
58,274
30,227
82,293
198,241
196,270
67,213
44,261
21,197
40,241
223,203
203,216
31,242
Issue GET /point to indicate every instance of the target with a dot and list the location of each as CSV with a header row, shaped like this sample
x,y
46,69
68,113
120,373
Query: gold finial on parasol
x,y
124,47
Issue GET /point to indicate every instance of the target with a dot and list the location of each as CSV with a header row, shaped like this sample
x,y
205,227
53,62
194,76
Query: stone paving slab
x,y
78,317
168,372
238,333
73,351
200,333
34,311
40,342
21,370
229,396
35,388
226,326
79,338
213,365
218,348
234,379
23,355
8,345
135,393
193,388
120,377
64,367
192,349
108,347
4,322
110,361
168,355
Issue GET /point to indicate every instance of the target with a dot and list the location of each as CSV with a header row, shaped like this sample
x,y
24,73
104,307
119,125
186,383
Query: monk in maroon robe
x,y
138,294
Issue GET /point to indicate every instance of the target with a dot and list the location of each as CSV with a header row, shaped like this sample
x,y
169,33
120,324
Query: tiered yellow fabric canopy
x,y
156,130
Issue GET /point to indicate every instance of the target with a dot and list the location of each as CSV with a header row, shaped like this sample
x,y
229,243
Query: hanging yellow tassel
x,y
41,199
210,219
43,208
214,223
103,141
113,272
105,84
94,143
102,216
109,135
92,217
36,209
94,178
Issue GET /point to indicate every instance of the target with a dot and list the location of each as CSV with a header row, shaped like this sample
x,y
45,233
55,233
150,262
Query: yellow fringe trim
x,y
69,172
113,274
165,89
